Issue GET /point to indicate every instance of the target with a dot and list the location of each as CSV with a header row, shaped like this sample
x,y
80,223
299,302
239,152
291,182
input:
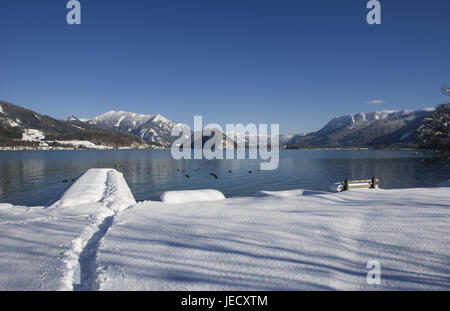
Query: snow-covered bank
x,y
294,240
69,147
104,187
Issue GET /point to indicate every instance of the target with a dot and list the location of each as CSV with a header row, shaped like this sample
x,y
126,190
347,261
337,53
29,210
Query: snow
x,y
361,118
5,205
12,123
160,119
152,128
81,144
41,246
187,196
32,135
71,118
1,109
299,240
288,193
245,138
404,136
336,187
104,186
91,188
119,118
97,237
117,124
78,127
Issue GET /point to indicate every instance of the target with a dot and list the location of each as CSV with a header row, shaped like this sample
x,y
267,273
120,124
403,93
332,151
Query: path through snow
x,y
109,188
41,247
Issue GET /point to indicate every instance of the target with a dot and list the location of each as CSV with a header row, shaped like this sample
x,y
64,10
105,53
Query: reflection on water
x,y
36,177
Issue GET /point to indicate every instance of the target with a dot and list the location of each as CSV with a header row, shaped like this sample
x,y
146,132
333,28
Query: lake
x,y
36,177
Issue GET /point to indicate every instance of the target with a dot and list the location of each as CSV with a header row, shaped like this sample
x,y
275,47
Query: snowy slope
x,y
32,135
20,127
292,240
151,128
156,128
121,119
245,138
71,119
387,127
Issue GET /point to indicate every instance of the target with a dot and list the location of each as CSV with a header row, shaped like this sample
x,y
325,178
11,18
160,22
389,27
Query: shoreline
x,y
133,148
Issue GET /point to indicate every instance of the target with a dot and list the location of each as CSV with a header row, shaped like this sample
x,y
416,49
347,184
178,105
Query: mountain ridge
x,y
20,127
380,128
154,129
114,129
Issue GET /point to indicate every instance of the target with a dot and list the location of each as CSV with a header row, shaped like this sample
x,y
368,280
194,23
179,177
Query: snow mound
x,y
99,185
336,187
187,196
288,193
5,205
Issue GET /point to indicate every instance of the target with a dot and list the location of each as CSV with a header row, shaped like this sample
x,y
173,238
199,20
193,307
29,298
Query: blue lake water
x,y
36,177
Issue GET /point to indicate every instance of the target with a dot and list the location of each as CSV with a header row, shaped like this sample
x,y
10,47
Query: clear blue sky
x,y
297,63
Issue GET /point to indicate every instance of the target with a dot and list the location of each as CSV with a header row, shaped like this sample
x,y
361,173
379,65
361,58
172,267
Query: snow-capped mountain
x,y
285,138
121,119
365,118
387,127
151,128
154,128
25,128
22,127
200,139
245,138
71,119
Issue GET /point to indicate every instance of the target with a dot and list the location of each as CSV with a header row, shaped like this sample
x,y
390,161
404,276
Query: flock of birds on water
x,y
124,170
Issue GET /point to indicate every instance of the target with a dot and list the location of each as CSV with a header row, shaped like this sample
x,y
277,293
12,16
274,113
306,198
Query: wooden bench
x,y
349,184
